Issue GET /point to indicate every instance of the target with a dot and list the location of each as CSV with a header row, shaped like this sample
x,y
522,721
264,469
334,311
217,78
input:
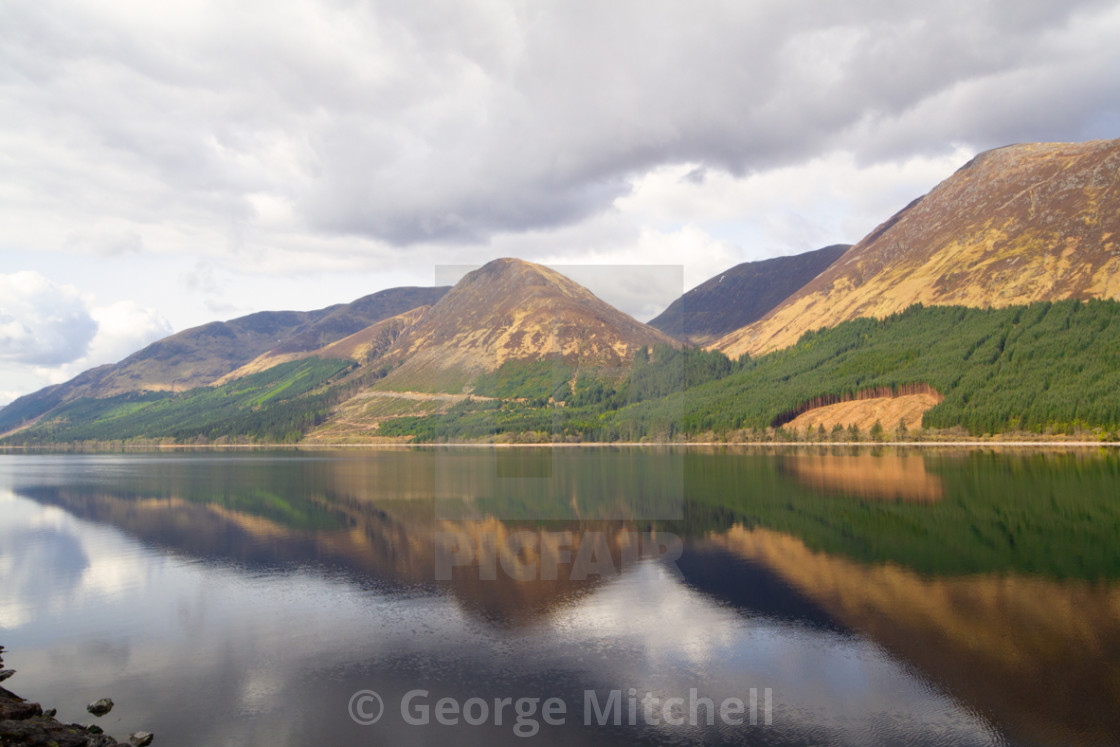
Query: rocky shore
x,y
25,724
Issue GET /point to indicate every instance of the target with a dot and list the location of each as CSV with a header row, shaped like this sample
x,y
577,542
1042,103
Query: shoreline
x,y
108,447
26,724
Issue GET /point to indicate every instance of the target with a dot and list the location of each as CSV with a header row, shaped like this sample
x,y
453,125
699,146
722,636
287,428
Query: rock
x,y
6,673
15,708
142,738
39,732
24,724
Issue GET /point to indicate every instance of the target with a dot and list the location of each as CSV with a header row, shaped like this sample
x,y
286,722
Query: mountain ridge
x,y
1014,225
742,294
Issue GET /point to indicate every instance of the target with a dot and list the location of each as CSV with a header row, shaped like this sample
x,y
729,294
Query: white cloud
x,y
51,332
123,328
797,208
42,323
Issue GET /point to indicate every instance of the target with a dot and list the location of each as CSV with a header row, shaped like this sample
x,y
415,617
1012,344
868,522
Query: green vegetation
x,y
279,404
668,370
28,408
532,380
453,379
1043,368
1048,367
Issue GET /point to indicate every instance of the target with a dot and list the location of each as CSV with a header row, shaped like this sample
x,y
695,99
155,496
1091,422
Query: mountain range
x,y
1020,225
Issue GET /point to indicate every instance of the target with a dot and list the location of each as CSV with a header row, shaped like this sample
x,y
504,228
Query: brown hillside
x,y
510,309
363,346
864,413
1015,225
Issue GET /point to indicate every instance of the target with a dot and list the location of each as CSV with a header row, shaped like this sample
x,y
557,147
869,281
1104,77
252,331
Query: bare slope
x,y
741,295
864,413
364,346
510,309
1018,224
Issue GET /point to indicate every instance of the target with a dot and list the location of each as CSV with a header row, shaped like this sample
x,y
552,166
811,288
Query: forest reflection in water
x,y
991,578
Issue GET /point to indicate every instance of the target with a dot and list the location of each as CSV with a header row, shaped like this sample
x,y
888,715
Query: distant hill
x,y
202,355
1015,225
278,388
741,295
512,310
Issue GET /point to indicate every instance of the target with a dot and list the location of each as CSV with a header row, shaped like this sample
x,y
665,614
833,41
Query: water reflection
x,y
267,582
887,476
1040,657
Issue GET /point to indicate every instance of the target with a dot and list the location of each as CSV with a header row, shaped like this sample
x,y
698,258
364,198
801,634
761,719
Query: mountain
x,y
512,310
203,355
281,388
741,295
1025,223
364,346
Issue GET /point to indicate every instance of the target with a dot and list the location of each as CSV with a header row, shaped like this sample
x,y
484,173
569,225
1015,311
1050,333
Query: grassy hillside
x,y
1045,367
276,405
204,355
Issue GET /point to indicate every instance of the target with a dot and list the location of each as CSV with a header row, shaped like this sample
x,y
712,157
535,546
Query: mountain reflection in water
x,y
331,562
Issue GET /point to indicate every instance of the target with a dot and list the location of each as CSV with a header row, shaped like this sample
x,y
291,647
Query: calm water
x,y
854,597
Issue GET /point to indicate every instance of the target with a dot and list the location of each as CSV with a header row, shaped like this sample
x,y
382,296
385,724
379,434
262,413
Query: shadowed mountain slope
x,y
741,295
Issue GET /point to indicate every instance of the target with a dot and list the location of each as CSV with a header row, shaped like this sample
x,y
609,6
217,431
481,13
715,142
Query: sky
x,y
167,164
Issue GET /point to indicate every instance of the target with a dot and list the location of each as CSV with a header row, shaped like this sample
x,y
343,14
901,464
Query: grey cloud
x,y
454,122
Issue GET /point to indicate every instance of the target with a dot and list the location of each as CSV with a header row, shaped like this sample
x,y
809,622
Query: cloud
x,y
123,328
42,323
786,210
50,332
105,244
453,122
